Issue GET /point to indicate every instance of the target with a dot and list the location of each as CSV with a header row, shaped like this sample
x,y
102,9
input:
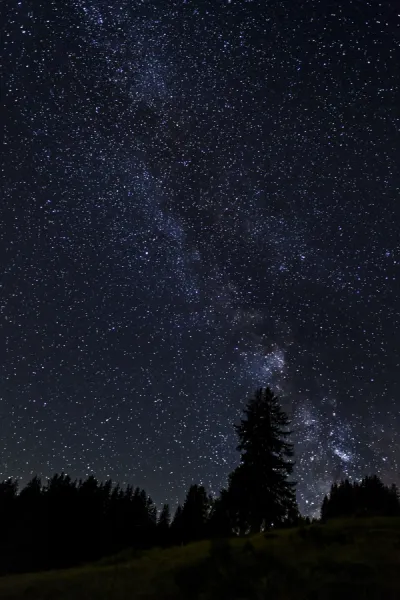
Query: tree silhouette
x,y
164,520
8,512
367,497
177,526
163,525
65,522
220,518
195,513
260,494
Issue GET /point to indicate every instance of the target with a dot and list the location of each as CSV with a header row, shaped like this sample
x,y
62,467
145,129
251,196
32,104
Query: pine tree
x,y
163,526
8,507
177,526
260,494
219,523
325,508
151,512
195,513
164,519
31,520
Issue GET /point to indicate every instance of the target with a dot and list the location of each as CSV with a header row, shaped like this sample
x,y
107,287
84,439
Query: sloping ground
x,y
356,559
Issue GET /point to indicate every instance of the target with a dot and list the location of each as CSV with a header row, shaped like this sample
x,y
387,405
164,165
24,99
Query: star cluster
x,y
200,198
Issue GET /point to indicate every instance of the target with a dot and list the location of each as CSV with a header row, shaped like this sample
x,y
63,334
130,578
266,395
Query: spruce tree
x,y
219,524
164,520
325,508
163,526
177,526
260,493
195,513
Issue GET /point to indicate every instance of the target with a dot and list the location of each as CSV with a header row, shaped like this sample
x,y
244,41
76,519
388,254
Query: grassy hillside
x,y
356,559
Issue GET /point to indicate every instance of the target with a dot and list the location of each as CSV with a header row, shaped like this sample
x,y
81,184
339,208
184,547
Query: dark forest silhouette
x,y
369,497
64,522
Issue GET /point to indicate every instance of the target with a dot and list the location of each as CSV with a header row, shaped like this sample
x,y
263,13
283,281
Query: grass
x,y
357,558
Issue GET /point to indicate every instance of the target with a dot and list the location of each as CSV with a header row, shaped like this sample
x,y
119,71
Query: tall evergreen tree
x,y
195,513
163,526
325,508
177,526
164,519
260,493
219,523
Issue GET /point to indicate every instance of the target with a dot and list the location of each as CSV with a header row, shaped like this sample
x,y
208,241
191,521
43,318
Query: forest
x,y
64,522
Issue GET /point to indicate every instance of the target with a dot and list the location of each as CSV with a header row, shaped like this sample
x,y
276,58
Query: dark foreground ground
x,y
346,559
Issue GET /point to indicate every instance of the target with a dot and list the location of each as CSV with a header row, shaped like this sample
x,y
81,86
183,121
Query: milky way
x,y
199,198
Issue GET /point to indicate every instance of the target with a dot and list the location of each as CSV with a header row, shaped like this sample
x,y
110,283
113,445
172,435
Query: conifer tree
x,y
260,493
325,508
194,513
163,526
164,519
177,526
219,523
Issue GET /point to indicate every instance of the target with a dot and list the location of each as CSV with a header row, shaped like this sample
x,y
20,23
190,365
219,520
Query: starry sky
x,y
199,198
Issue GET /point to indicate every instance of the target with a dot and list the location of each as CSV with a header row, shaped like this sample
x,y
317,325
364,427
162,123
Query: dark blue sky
x,y
199,198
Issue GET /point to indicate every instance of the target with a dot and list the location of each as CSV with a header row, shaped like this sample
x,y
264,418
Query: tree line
x,y
65,522
358,498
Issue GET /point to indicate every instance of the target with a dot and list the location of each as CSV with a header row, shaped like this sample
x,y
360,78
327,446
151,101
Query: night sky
x,y
199,198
